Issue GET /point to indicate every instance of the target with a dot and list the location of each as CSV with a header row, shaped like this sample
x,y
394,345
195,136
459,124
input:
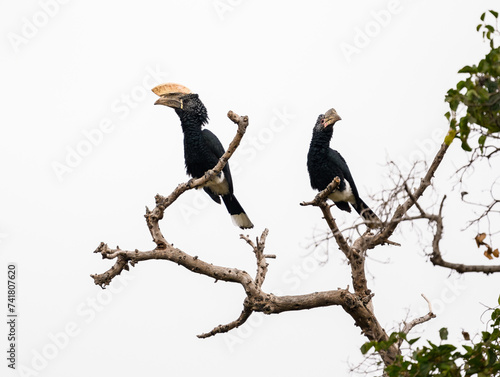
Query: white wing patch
x,y
218,185
343,196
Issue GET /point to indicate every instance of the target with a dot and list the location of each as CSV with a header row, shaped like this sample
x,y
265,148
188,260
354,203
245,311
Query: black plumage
x,y
202,150
324,164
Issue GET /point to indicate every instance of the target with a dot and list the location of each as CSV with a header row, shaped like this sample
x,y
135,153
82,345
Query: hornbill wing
x,y
217,149
339,161
360,206
234,208
344,206
215,197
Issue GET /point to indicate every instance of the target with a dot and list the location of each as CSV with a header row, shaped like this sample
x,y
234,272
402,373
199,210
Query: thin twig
x,y
417,321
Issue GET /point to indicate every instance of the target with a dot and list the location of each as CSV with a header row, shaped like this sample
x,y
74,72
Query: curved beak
x,y
173,100
331,117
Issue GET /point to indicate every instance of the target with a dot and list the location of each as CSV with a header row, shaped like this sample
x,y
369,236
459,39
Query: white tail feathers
x,y
242,221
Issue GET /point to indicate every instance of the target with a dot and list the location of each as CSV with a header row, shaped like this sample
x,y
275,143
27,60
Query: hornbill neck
x,y
191,121
322,138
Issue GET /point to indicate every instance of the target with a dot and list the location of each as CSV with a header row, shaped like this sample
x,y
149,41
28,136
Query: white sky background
x,y
256,58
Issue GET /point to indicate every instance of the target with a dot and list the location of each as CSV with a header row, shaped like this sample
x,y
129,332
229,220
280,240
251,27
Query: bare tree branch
x,y
257,300
320,201
258,249
245,314
356,255
402,209
417,321
487,209
436,256
357,304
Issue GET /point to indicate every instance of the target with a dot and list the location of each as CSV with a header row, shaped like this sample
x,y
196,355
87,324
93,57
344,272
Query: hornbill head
x,y
171,95
181,99
330,118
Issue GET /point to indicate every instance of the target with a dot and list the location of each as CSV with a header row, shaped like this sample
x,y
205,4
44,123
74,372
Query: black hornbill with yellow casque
x,y
202,149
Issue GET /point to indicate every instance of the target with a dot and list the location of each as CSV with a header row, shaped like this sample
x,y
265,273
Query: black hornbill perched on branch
x,y
202,149
324,164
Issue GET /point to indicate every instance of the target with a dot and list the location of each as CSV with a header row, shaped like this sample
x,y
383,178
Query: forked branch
x,y
256,299
357,304
437,257
417,321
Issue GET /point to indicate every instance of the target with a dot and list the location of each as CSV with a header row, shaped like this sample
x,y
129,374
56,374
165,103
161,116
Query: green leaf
x,y
495,334
495,14
481,140
490,28
469,349
443,333
478,27
468,69
471,94
453,104
411,341
483,66
495,314
492,357
463,124
366,347
482,16
446,348
486,336
465,146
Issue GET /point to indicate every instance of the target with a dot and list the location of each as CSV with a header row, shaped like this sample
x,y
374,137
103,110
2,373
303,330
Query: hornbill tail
x,y
237,212
372,220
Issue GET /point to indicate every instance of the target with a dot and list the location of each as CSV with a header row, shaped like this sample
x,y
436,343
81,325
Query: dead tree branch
x,y
357,304
256,299
436,257
417,321
258,249
402,209
320,201
356,255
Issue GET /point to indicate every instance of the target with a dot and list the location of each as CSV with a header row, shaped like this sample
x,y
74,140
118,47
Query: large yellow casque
x,y
168,88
